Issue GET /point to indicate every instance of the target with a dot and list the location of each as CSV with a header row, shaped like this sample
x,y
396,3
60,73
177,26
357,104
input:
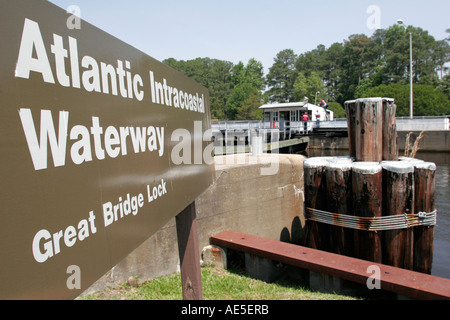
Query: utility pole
x,y
411,89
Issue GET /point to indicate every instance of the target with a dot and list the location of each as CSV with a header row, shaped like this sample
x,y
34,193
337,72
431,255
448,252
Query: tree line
x,y
358,67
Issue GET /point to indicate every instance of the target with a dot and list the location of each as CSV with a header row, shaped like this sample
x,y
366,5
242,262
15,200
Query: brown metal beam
x,y
189,252
409,283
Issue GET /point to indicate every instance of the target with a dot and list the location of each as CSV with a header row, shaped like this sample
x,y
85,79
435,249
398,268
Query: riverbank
x,y
218,284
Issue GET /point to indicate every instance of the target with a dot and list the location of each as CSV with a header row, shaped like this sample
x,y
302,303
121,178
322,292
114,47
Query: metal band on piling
x,y
395,222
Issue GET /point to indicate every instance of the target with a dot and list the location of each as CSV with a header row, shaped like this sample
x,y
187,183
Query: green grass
x,y
218,284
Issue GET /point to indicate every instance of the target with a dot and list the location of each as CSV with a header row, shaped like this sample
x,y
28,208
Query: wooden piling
x,y
425,189
390,149
350,110
398,198
369,130
367,202
315,198
339,200
388,188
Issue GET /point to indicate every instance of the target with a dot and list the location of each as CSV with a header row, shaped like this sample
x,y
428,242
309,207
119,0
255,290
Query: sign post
x,y
100,146
189,254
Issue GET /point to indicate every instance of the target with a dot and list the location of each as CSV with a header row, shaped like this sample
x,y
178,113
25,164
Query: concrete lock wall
x,y
260,195
432,141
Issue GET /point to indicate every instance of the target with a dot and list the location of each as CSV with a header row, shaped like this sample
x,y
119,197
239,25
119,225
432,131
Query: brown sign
x,y
100,146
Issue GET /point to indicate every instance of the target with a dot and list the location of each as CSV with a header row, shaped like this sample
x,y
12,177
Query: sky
x,y
238,30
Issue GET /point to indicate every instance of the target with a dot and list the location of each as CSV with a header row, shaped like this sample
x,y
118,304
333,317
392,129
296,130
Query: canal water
x,y
441,258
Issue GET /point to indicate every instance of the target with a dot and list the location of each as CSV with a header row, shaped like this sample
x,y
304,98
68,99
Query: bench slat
x,y
409,283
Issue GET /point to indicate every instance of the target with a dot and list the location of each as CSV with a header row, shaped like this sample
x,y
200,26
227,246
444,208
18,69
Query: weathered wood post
x,y
189,252
390,150
369,130
384,186
367,202
339,193
425,190
315,198
350,110
398,199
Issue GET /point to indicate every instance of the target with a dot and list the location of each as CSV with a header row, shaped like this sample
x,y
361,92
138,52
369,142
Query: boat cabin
x,y
287,117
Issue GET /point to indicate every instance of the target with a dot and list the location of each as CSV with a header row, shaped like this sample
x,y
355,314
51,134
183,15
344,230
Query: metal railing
x,y
403,124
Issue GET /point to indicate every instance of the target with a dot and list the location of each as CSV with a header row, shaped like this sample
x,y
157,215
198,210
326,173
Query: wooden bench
x,y
408,283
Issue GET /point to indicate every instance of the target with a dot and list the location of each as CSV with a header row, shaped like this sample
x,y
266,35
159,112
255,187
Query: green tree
x,y
336,107
389,59
354,64
444,85
312,61
300,87
428,101
220,87
213,74
249,109
254,73
333,71
442,57
281,77
429,55
245,80
344,71
306,87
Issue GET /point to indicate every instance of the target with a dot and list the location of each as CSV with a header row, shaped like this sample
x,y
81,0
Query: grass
x,y
218,284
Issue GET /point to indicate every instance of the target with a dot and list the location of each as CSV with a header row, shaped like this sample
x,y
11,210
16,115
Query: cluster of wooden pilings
x,y
373,181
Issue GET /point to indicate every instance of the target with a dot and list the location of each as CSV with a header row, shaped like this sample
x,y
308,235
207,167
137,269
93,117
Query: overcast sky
x,y
237,30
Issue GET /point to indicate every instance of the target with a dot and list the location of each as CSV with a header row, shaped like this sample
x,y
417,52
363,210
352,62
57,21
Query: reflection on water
x,y
441,259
